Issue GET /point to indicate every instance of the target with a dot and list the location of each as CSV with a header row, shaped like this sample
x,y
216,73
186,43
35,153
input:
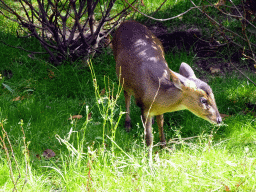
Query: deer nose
x,y
219,119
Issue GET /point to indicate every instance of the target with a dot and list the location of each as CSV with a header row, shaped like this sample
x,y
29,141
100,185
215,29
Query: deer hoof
x,y
128,126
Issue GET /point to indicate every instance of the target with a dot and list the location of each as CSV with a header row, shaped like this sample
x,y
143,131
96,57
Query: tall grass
x,y
95,152
190,165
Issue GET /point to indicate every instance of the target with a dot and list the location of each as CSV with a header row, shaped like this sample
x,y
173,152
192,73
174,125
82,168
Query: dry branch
x,y
65,28
247,44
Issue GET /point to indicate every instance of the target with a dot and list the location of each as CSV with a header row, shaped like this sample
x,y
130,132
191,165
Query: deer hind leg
x,y
127,105
160,123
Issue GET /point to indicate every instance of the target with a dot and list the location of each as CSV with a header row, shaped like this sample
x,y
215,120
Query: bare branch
x,y
21,2
218,24
121,13
65,28
230,15
91,16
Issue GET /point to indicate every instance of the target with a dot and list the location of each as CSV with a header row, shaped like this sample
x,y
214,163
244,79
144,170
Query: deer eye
x,y
203,100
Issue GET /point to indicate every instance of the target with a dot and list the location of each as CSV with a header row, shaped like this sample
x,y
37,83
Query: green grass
x,y
95,153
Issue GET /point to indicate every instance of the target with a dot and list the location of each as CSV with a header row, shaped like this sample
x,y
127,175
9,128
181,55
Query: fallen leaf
x,y
75,117
103,91
142,3
48,153
89,116
51,74
239,184
18,98
220,3
38,157
214,70
226,188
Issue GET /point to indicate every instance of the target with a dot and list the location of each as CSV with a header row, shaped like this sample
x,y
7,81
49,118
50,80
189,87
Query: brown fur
x,y
141,67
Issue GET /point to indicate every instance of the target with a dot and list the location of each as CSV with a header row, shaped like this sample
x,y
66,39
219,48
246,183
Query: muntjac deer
x,y
141,67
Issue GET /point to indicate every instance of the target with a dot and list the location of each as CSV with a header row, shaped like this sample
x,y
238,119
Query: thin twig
x,y
160,19
22,48
157,10
245,34
121,13
218,24
242,73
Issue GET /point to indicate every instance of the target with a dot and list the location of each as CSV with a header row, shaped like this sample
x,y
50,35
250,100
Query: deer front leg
x,y
127,97
147,122
160,123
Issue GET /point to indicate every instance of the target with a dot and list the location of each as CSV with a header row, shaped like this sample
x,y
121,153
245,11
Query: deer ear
x,y
187,71
182,82
176,80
